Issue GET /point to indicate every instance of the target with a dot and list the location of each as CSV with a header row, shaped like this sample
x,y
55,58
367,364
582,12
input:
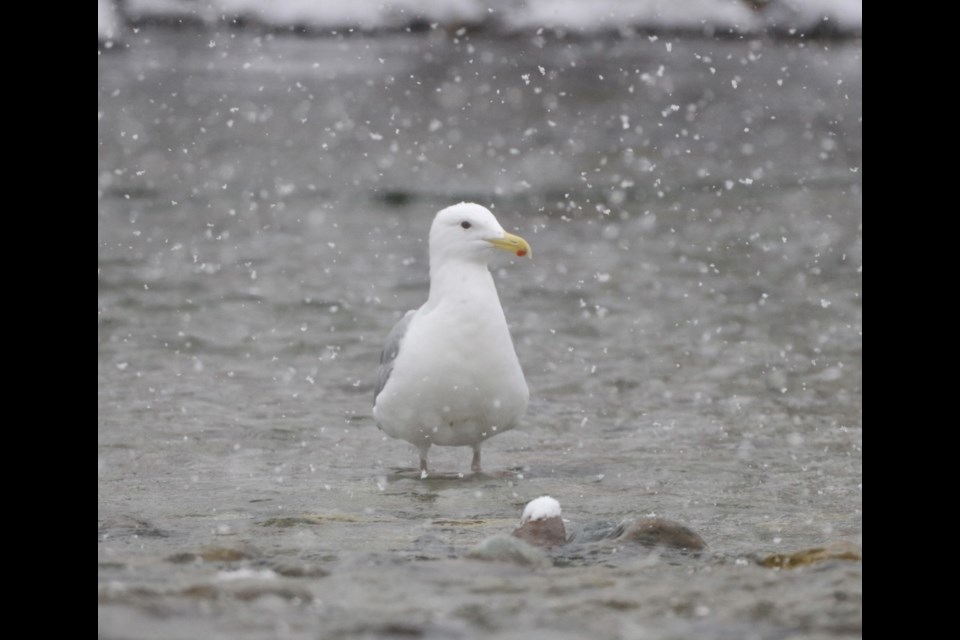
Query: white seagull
x,y
449,373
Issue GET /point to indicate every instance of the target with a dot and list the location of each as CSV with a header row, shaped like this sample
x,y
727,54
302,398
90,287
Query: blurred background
x,y
689,176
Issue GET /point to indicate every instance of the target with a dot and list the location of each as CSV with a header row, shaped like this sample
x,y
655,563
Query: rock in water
x,y
541,524
661,532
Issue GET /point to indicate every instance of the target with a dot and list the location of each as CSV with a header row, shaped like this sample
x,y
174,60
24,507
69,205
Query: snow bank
x,y
365,14
744,16
577,15
837,15
108,24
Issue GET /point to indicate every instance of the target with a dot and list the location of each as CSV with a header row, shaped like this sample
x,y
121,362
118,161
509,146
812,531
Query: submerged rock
x,y
839,551
215,554
502,548
294,570
661,532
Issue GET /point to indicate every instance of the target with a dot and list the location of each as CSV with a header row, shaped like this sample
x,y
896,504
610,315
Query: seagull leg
x,y
475,465
423,461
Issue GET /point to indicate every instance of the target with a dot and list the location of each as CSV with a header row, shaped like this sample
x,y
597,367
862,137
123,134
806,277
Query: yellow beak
x,y
513,244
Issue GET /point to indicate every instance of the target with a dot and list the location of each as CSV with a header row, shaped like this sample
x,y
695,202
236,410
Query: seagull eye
x,y
465,224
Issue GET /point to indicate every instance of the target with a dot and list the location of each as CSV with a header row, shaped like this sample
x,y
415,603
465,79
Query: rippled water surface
x,y
690,328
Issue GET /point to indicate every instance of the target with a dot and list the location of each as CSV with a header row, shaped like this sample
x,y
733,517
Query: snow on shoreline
x,y
108,22
739,16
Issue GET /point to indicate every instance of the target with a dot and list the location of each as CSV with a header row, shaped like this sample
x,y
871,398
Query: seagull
x,y
449,373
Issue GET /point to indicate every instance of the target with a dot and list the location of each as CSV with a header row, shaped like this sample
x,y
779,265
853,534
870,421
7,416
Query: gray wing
x,y
390,350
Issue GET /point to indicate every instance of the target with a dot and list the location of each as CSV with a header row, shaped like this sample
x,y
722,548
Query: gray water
x,y
690,328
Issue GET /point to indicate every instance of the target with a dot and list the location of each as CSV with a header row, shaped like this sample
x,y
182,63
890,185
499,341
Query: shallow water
x,y
690,328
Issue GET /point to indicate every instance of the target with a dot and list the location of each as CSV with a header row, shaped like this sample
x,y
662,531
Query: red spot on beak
x,y
521,253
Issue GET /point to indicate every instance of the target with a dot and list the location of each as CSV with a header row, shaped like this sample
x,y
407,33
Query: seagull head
x,y
469,232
